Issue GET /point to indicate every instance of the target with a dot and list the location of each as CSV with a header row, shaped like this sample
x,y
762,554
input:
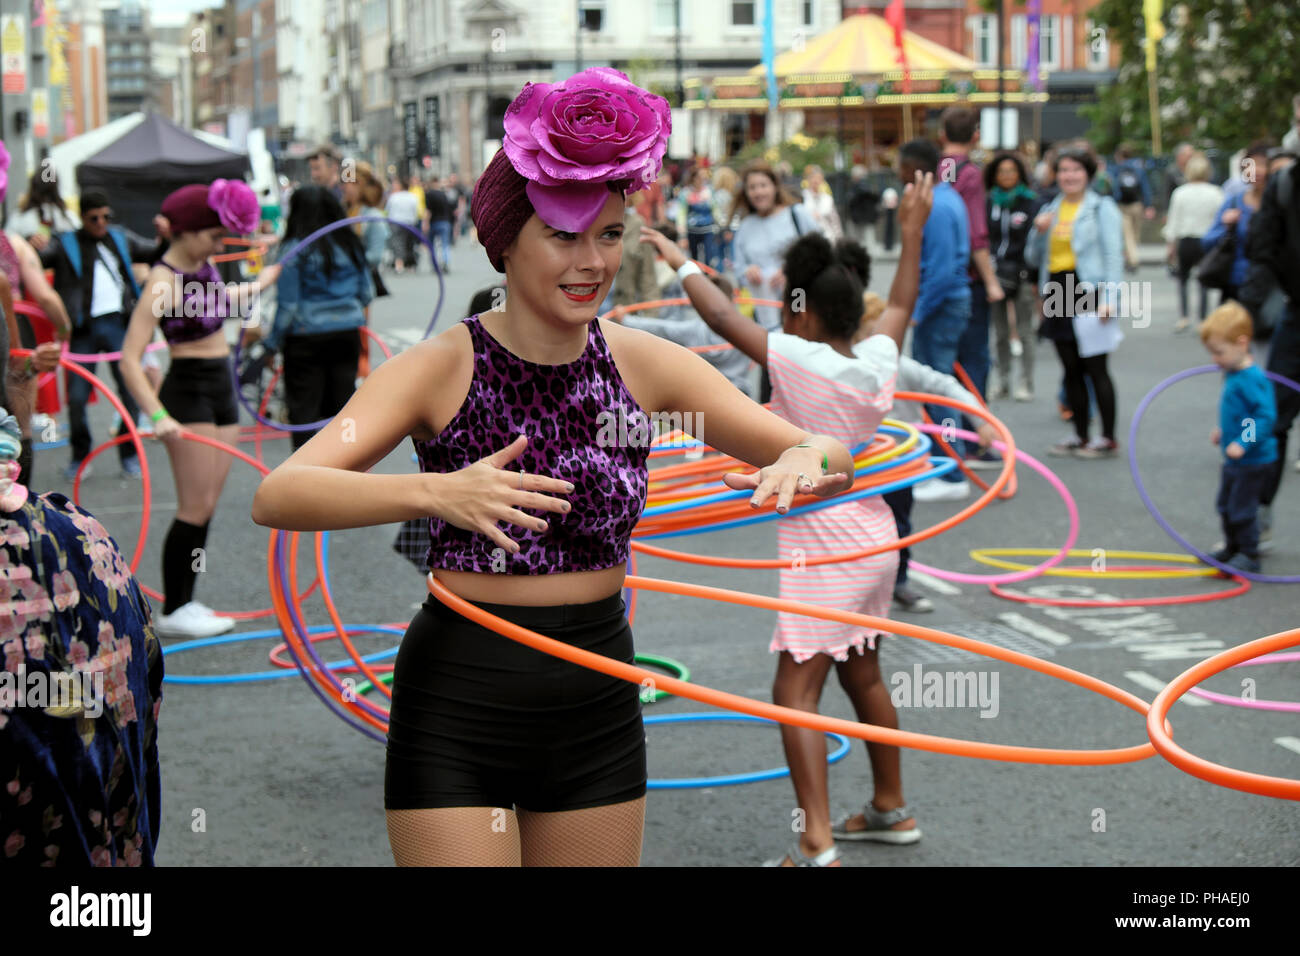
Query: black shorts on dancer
x,y
200,391
479,720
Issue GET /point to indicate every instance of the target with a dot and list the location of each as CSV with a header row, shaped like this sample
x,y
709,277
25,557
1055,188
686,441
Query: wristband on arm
x,y
158,416
826,462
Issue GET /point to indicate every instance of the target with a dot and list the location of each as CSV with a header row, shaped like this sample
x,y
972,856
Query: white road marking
x,y
930,582
1034,629
1151,682
1290,743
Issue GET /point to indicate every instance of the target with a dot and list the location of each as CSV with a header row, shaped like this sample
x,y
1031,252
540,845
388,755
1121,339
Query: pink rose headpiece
x,y
564,142
227,202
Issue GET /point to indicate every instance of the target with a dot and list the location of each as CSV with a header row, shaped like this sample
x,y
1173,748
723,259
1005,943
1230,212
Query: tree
x,y
1226,73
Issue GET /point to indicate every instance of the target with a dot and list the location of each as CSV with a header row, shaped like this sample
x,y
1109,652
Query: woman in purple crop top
x,y
497,754
184,297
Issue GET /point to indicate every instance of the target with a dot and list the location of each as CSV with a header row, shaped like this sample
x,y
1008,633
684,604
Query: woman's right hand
x,y
1043,221
1230,216
753,277
479,496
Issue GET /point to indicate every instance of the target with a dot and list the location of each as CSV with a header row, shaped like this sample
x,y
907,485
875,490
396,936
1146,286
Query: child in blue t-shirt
x,y
1247,411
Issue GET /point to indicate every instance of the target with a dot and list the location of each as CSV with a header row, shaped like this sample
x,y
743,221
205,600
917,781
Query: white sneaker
x,y
1023,394
191,620
143,425
1016,348
936,489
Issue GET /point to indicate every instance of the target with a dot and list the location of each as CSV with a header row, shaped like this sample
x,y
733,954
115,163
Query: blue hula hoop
x,y
279,672
731,780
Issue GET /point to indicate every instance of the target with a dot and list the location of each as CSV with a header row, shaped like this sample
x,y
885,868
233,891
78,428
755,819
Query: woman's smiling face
x,y
567,274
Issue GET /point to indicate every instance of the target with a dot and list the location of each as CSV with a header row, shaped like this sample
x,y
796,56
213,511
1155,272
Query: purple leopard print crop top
x,y
571,415
202,308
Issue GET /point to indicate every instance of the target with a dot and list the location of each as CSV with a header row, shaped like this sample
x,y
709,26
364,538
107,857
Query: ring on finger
x,y
521,479
803,478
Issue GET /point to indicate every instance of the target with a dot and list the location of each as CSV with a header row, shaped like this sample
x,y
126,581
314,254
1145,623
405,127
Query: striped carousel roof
x,y
864,43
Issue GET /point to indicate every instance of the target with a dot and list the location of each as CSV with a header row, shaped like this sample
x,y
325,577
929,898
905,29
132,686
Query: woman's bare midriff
x,y
210,346
538,590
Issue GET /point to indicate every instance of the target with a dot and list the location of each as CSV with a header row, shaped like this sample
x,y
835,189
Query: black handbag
x,y
1010,274
380,288
1215,270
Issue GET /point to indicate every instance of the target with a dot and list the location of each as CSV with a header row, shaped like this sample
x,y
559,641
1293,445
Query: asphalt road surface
x,y
262,774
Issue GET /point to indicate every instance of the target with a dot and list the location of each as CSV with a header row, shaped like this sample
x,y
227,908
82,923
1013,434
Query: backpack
x,y
1130,187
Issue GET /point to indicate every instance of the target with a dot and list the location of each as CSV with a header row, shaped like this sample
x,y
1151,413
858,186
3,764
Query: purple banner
x,y
1035,8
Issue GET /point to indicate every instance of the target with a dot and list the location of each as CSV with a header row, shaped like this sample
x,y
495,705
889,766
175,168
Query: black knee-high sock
x,y
178,562
25,463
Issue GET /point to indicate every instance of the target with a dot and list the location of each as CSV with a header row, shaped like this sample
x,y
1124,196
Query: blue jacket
x,y
945,253
1247,412
1098,243
1211,239
309,303
1136,167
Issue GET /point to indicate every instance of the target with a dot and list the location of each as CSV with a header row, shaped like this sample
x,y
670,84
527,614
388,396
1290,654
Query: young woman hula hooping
x,y
185,297
498,755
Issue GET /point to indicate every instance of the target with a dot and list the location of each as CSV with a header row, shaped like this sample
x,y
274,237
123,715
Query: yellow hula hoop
x,y
987,556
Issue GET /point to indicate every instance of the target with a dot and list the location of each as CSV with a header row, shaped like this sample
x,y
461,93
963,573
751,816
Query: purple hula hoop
x,y
1146,498
293,254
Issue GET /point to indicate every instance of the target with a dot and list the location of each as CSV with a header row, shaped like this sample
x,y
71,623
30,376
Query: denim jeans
x,y
440,238
102,334
935,343
1237,502
973,353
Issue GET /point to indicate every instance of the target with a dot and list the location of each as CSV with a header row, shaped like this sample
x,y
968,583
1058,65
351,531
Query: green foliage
x,y
1223,93
798,151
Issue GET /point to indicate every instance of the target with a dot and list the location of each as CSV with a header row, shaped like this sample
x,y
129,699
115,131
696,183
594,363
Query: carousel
x,y
848,83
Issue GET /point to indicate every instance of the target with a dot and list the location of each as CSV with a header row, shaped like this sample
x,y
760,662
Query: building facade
x,y
459,63
128,60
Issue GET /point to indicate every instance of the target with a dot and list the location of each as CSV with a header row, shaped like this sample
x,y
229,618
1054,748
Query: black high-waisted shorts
x,y
478,720
200,390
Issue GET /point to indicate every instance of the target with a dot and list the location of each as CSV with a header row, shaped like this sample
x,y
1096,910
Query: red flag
x,y
894,16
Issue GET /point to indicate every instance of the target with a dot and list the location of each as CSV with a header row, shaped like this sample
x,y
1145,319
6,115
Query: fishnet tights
x,y
493,836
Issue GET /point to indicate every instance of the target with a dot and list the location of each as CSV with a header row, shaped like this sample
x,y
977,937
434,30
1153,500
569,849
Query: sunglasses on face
x,y
99,217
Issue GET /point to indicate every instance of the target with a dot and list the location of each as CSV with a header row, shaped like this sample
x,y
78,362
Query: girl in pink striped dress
x,y
826,385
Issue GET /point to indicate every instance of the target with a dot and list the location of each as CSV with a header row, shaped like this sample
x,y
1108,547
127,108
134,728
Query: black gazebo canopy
x,y
155,158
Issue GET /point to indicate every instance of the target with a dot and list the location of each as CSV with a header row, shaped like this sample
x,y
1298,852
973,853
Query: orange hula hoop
x,y
798,718
1008,469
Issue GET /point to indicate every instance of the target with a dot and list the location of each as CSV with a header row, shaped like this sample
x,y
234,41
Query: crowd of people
x,y
993,259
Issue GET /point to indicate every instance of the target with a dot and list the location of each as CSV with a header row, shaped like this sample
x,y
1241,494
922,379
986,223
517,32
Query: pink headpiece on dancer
x,y
564,143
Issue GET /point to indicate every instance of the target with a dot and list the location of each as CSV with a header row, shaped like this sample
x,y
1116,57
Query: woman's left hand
x,y
1103,312
785,480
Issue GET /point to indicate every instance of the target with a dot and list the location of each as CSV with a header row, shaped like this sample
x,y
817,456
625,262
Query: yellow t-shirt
x,y
1060,257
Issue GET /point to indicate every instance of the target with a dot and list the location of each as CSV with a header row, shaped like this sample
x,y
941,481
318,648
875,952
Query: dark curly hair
x,y
991,170
831,278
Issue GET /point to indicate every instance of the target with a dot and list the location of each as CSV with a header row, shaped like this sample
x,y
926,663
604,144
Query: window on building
x,y
809,12
984,40
591,15
1019,42
743,13
1049,42
1098,47
663,15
